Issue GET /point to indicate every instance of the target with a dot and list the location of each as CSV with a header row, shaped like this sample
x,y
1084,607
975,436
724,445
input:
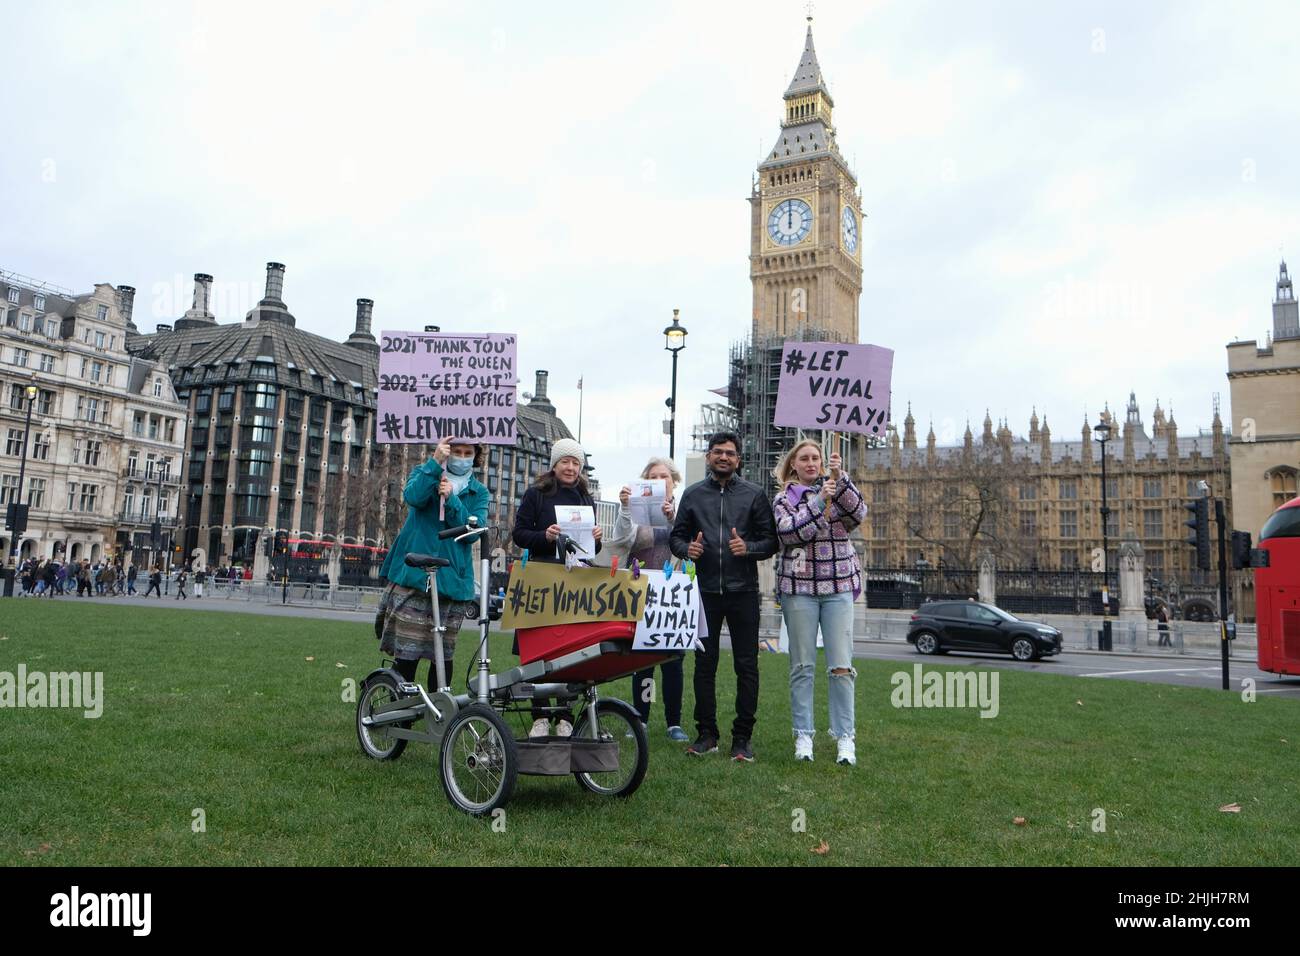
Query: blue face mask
x,y
460,466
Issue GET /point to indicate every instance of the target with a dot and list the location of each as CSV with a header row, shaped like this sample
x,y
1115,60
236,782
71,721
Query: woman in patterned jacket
x,y
819,581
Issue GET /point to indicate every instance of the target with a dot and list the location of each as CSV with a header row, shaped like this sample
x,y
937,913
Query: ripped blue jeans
x,y
833,613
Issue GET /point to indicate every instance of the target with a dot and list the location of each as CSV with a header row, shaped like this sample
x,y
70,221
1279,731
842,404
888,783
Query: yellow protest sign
x,y
541,594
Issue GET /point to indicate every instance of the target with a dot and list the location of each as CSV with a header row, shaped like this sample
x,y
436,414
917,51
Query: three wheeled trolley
x,y
480,757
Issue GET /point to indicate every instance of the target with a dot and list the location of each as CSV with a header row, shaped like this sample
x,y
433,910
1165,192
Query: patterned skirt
x,y
404,624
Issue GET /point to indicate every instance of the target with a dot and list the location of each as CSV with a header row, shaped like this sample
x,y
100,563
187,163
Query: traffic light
x,y
1240,550
1200,525
281,542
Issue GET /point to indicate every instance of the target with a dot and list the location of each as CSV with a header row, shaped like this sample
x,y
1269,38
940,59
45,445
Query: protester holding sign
x,y
649,546
536,530
440,493
818,581
724,525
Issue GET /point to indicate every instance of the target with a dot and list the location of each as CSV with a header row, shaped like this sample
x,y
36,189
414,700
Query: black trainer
x,y
704,744
740,750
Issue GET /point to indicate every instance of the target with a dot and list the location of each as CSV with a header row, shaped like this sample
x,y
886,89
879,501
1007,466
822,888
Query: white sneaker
x,y
803,749
541,728
563,728
845,755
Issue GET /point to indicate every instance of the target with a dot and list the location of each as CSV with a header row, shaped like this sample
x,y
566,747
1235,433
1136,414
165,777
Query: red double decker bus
x,y
1277,592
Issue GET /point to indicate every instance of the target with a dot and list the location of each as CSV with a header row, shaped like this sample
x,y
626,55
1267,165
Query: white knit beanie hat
x,y
567,447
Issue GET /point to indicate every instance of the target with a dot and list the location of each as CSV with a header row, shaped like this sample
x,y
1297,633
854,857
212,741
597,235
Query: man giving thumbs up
x,y
725,525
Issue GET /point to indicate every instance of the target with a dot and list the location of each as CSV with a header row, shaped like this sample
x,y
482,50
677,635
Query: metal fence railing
x,y
341,598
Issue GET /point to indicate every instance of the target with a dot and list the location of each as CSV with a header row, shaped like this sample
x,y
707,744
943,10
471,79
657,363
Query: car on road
x,y
942,626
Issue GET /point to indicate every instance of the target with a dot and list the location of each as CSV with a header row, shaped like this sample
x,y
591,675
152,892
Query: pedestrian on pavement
x,y
1162,627
131,573
108,578
819,580
200,575
180,584
724,524
155,582
49,574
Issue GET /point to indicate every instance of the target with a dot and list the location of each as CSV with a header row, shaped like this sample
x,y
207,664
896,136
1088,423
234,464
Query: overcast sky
x,y
1064,201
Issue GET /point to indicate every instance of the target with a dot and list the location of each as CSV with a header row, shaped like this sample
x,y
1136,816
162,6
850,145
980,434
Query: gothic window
x,y
1282,481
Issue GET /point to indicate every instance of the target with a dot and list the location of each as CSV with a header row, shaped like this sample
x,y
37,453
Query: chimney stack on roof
x,y
275,281
272,307
126,305
200,313
362,337
539,393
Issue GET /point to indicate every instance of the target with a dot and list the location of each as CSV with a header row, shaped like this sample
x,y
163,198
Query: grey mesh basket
x,y
561,756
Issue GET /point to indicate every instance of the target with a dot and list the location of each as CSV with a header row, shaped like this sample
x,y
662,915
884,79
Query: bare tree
x,y
975,493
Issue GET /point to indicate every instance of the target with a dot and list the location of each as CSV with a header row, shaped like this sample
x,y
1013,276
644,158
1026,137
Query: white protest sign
x,y
647,502
673,619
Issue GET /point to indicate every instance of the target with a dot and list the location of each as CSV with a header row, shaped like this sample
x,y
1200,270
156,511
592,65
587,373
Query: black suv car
x,y
942,626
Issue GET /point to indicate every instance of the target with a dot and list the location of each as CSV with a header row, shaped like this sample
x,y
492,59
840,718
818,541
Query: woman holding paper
x,y
536,530
441,493
819,581
649,546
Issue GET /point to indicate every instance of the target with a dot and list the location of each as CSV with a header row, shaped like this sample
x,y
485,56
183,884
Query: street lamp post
x,y
1103,430
19,511
674,341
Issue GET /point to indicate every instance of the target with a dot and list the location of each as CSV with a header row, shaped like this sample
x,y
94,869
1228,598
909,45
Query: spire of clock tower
x,y
806,130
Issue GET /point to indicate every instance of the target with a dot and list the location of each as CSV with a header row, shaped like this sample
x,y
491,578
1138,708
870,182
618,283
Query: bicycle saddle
x,y
425,561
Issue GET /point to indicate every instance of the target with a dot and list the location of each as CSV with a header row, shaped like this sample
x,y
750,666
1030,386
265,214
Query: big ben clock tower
x,y
805,254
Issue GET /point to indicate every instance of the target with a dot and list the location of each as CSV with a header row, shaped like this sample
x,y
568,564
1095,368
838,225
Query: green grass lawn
x,y
243,716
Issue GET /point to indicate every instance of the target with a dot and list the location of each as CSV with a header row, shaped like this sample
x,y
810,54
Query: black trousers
x,y
740,610
407,670
673,683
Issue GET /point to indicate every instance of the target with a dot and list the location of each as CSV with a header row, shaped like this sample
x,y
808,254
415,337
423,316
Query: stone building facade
x,y
97,410
1264,385
1036,501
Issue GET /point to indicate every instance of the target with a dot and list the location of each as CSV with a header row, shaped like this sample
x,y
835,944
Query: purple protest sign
x,y
443,385
834,387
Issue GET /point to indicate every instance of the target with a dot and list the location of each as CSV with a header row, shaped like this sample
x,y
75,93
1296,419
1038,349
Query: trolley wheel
x,y
375,741
478,762
618,722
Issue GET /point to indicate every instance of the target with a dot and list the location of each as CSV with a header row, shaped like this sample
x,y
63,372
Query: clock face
x,y
849,230
790,222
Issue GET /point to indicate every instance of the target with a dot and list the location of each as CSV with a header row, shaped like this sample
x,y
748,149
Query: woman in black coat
x,y
536,530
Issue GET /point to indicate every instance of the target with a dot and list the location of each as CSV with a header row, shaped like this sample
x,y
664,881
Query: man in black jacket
x,y
725,525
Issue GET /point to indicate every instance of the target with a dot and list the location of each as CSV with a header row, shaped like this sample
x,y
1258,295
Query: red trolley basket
x,y
615,638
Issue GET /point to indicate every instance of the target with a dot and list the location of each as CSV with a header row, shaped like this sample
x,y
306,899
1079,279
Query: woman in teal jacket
x,y
404,624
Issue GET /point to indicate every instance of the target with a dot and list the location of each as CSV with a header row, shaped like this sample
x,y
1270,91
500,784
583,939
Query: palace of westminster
x,y
226,433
